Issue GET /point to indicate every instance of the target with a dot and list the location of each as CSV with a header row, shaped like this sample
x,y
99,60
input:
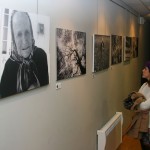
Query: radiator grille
x,y
110,136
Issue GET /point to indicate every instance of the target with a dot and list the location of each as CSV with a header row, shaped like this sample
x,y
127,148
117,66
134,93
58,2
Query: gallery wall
x,y
68,118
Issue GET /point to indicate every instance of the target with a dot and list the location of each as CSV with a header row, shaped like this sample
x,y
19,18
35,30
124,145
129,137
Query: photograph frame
x,y
116,49
135,47
27,62
71,53
101,52
127,51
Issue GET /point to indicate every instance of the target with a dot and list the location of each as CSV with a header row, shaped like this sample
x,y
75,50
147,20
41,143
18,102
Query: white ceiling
x,y
140,7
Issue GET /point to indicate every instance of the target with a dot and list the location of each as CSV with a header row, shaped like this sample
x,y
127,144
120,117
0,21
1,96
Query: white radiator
x,y
110,136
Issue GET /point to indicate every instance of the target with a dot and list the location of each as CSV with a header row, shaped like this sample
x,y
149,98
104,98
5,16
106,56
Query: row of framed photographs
x,y
31,60
116,47
71,52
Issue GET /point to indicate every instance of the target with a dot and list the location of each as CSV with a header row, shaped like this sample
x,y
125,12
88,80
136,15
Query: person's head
x,y
22,34
146,71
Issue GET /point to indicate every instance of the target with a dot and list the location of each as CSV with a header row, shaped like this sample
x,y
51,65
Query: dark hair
x,y
147,64
143,80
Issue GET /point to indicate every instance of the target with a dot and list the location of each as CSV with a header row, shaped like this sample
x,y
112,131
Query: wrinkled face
x,y
22,34
146,73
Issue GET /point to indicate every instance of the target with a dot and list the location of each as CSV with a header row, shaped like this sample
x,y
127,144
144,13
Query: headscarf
x,y
27,71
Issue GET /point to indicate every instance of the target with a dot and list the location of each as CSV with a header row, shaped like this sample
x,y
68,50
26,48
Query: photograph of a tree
x,y
71,53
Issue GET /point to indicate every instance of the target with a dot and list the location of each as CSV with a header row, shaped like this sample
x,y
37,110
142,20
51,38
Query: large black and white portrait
x,y
127,48
101,52
71,53
24,51
116,49
134,47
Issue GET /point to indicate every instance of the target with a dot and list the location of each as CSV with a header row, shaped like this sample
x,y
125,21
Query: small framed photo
x,y
134,47
101,52
127,48
116,49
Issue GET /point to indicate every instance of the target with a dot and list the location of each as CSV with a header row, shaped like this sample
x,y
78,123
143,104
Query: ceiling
x,y
139,7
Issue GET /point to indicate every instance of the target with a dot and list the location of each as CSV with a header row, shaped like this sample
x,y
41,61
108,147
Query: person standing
x,y
145,106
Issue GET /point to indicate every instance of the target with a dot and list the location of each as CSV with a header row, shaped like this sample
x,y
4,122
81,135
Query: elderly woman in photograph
x,y
27,66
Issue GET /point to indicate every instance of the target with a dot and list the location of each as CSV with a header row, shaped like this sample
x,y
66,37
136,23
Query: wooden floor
x,y
129,143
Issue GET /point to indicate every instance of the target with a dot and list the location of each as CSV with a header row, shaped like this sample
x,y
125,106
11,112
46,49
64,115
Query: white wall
x,y
67,119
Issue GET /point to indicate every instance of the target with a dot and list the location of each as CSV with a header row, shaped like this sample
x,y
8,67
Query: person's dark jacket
x,y
8,85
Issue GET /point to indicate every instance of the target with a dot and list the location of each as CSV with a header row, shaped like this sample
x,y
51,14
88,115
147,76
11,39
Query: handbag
x,y
128,102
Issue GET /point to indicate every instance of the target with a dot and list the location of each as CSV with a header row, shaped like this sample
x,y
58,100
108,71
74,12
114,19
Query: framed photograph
x,y
101,52
127,48
24,51
116,49
134,47
71,53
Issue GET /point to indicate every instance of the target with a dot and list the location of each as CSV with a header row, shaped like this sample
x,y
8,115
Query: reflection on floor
x,y
129,143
